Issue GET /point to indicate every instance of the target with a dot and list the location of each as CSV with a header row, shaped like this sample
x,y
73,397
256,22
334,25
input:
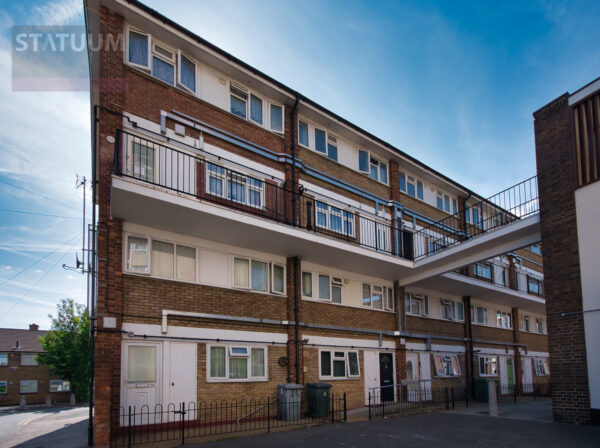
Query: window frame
x,y
346,218
272,289
249,377
334,282
28,382
2,355
5,384
227,183
417,184
443,359
172,62
312,286
525,320
457,310
332,358
34,363
380,162
412,297
270,275
146,68
272,104
475,315
180,55
541,366
504,320
540,326
148,270
489,360
62,383
386,293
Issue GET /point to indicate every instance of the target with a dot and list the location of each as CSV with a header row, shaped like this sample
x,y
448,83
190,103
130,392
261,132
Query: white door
x,y
425,371
140,374
183,370
503,375
526,373
413,388
371,360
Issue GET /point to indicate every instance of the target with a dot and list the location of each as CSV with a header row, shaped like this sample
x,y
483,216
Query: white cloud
x,y
63,12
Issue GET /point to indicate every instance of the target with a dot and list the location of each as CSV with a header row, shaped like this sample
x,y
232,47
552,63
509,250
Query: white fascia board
x,y
585,92
347,343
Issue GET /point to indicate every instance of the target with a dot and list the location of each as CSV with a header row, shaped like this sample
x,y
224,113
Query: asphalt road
x,y
43,427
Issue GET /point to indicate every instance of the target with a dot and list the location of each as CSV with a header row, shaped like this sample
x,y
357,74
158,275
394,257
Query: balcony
x,y
170,186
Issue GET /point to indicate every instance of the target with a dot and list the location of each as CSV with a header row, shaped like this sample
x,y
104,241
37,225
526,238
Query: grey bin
x,y
318,399
290,402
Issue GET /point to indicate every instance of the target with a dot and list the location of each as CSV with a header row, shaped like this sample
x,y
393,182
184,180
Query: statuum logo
x,y
55,58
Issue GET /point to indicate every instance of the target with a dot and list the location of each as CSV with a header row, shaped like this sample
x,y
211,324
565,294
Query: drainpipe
x,y
464,212
293,128
296,324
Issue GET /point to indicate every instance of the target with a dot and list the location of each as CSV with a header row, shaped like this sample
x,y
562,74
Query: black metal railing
x,y
199,177
504,275
503,208
191,422
518,393
414,398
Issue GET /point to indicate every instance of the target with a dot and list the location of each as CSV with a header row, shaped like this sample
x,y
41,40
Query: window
x,y
28,386
254,275
29,359
483,270
303,133
411,186
3,388
417,304
473,215
332,147
236,363
137,254
541,366
377,297
446,365
256,109
307,284
330,288
238,100
363,161
186,263
524,323
334,219
443,202
3,359
143,161
276,118
488,366
534,286
139,48
339,364
536,249
238,187
162,259
539,326
278,276
320,141
141,364
479,315
60,386
452,310
187,72
503,319
163,64
375,168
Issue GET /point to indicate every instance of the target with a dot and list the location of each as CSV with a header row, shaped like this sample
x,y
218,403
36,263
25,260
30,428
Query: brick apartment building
x,y
249,237
21,376
567,138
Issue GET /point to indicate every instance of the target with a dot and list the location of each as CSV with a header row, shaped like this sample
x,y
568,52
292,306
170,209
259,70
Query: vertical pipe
x,y
296,317
293,129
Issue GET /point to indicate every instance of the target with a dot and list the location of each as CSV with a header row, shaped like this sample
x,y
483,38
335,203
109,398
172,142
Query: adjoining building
x,y
21,376
567,139
248,237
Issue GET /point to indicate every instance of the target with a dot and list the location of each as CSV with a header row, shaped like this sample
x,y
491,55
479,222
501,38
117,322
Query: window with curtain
x,y
141,364
339,364
186,263
138,48
28,386
163,70
324,287
257,358
241,277
260,276
278,279
303,133
276,118
366,294
29,359
187,72
256,109
137,254
238,368
320,141
237,363
162,259
142,161
307,284
217,362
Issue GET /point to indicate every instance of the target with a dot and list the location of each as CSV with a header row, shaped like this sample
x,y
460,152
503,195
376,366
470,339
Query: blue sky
x,y
452,83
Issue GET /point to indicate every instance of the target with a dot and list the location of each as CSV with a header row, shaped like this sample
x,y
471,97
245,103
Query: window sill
x,y
353,378
246,380
329,302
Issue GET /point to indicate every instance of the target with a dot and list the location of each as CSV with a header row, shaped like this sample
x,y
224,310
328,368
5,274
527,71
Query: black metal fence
x,y
202,178
512,204
414,399
194,421
516,393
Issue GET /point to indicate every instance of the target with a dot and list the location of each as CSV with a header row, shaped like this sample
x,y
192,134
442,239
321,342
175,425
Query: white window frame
x,y
504,320
65,386
312,285
445,358
270,273
334,282
415,181
273,279
440,195
475,315
454,309
28,355
172,62
540,326
525,322
412,298
263,101
225,193
148,67
307,145
481,266
247,100
270,104
249,378
385,291
5,384
488,360
181,55
26,383
345,358
345,216
128,258
541,366
312,139
379,163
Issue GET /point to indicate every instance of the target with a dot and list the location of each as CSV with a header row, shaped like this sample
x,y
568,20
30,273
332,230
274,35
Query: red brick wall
x,y
562,279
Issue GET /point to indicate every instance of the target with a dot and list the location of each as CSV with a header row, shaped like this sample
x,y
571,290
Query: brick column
x,y
295,362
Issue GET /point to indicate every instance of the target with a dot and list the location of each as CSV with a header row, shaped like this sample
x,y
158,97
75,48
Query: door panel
x,y
371,369
183,371
386,369
425,372
140,376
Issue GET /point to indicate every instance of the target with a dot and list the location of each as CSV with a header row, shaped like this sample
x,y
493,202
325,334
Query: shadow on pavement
x,y
71,436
